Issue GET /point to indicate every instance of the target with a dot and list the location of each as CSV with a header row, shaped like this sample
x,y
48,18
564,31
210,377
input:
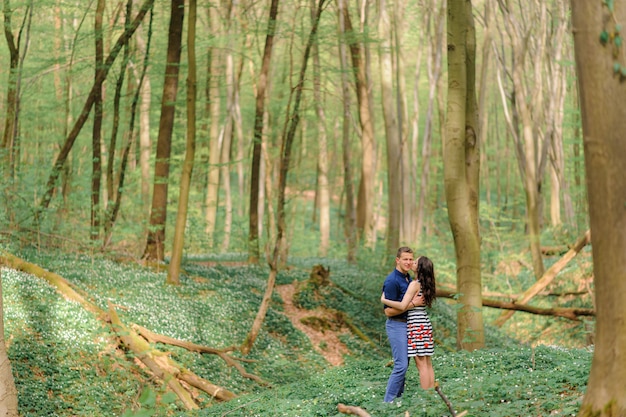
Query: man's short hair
x,y
403,249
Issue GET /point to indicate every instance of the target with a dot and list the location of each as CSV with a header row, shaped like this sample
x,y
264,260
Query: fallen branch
x,y
547,277
448,403
144,353
157,362
351,409
222,353
568,313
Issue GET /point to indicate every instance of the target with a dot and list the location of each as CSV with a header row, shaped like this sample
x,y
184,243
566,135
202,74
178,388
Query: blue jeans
x,y
396,333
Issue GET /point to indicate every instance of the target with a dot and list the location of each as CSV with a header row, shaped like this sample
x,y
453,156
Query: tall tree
x,y
89,102
115,192
173,271
601,69
392,132
9,145
350,227
365,198
213,82
259,111
322,194
155,243
461,172
534,43
434,21
96,133
285,161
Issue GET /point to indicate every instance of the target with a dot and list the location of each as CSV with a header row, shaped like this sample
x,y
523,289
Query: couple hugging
x,y
409,329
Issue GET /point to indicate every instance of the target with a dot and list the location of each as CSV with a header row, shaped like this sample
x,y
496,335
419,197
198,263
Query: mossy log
x,y
156,361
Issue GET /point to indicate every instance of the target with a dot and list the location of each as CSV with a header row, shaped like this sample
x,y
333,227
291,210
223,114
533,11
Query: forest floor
x,y
325,340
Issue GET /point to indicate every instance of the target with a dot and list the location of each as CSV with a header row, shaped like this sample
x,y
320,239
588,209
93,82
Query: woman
x,y
419,327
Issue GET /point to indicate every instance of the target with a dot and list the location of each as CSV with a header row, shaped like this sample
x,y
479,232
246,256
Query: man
x,y
395,287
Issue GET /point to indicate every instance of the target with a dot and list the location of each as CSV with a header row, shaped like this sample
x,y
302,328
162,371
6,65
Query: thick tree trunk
x,y
461,163
603,94
155,242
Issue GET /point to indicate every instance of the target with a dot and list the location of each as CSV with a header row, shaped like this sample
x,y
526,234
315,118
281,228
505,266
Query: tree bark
x,y
350,226
395,174
173,271
322,195
155,242
601,70
96,132
214,80
568,313
461,169
255,175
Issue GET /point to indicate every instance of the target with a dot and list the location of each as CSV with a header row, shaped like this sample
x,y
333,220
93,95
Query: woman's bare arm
x,y
406,302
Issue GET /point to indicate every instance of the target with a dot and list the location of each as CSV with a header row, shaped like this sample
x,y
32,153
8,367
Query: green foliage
x,y
64,362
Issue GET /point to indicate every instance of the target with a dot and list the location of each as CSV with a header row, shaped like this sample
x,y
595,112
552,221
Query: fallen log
x,y
547,277
568,313
222,353
144,353
155,361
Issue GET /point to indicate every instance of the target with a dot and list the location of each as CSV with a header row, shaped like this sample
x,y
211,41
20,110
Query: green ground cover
x,y
65,362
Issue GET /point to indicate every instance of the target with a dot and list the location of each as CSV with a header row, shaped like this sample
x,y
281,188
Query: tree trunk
x,y
214,80
285,159
10,122
113,210
350,227
173,271
365,198
434,65
96,135
602,95
322,195
255,175
155,243
395,174
461,170
144,125
8,391
84,115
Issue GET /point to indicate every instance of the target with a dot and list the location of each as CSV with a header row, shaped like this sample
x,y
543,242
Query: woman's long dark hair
x,y
426,276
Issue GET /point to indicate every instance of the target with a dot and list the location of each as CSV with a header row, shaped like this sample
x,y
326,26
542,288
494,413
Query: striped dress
x,y
419,332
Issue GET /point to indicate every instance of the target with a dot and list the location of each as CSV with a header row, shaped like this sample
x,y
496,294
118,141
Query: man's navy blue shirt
x,y
395,287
